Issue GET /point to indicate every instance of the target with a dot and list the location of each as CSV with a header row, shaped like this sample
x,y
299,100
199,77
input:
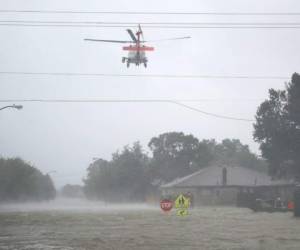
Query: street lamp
x,y
12,106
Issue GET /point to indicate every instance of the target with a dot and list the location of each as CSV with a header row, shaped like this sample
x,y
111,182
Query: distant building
x,y
220,185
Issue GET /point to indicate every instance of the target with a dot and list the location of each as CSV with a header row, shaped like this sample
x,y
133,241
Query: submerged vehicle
x,y
276,205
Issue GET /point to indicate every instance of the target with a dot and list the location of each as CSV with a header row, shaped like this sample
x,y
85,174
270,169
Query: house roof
x,y
236,176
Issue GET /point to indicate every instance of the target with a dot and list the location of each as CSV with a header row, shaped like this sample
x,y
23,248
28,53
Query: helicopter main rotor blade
x,y
169,39
107,41
132,35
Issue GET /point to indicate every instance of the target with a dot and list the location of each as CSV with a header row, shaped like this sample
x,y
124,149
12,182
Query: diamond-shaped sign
x,y
182,212
182,202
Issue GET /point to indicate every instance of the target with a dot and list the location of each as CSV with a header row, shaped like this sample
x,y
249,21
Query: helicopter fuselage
x,y
136,55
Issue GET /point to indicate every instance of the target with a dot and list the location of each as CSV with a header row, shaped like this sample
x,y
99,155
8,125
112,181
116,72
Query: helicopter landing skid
x,y
128,62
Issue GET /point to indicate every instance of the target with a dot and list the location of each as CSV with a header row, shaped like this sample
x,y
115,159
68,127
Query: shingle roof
x,y
236,176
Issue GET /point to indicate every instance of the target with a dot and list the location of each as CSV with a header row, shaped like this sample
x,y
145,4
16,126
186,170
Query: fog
x,y
66,137
209,228
74,205
99,152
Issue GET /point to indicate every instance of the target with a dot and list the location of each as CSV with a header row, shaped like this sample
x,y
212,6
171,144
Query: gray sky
x,y
65,137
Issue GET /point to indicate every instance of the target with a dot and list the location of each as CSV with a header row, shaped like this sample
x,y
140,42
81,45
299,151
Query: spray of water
x,y
73,205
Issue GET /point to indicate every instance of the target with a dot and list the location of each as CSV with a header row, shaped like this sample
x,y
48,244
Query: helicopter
x,y
137,48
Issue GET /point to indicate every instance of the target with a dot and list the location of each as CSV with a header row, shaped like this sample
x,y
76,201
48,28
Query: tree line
x,y
277,130
132,173
19,181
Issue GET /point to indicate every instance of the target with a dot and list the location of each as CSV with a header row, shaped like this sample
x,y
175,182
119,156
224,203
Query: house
x,y
229,185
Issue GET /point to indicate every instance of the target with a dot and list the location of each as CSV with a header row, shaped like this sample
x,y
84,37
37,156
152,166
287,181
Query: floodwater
x,y
88,225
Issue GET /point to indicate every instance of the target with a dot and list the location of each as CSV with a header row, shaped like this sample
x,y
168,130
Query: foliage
x,y
131,174
123,178
176,155
277,129
233,152
20,181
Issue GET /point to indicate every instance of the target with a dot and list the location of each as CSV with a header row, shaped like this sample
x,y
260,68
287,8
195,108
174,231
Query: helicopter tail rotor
x,y
141,32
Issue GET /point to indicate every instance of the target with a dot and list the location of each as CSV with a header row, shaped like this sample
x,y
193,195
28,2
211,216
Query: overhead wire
x,y
76,74
103,100
151,12
176,102
151,26
165,25
149,23
187,25
212,114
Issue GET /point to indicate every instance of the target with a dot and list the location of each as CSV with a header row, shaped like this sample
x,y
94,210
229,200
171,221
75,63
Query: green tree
x,y
99,180
130,167
277,129
131,174
21,181
122,179
233,152
176,154
293,110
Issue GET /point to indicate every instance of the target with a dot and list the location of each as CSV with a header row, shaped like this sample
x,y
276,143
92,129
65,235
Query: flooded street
x,y
141,227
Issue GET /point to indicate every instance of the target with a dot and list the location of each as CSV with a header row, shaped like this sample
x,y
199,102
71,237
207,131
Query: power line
x,y
74,74
176,102
151,12
149,23
212,114
147,26
133,100
91,100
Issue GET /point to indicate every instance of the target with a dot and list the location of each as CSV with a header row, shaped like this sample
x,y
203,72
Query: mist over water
x,y
78,225
74,205
97,144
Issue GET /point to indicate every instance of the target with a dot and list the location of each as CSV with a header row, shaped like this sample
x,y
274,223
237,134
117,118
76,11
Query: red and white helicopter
x,y
137,51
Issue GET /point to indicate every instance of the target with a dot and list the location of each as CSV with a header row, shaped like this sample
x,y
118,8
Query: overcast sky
x,y
66,137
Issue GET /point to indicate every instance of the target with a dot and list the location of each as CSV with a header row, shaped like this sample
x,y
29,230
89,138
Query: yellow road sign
x,y
182,202
182,212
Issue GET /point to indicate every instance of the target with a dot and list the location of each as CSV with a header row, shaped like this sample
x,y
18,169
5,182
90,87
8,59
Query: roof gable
x,y
236,176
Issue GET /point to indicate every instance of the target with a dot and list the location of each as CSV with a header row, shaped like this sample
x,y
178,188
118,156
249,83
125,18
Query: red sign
x,y
166,205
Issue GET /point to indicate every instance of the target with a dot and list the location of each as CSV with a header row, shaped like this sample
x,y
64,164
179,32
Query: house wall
x,y
226,195
211,196
205,196
284,192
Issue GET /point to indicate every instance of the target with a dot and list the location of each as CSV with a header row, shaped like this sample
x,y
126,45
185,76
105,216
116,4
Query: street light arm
x,y
12,106
5,107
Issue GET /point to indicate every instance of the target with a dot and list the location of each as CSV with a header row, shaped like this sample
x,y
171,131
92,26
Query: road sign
x,y
182,202
182,212
166,205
